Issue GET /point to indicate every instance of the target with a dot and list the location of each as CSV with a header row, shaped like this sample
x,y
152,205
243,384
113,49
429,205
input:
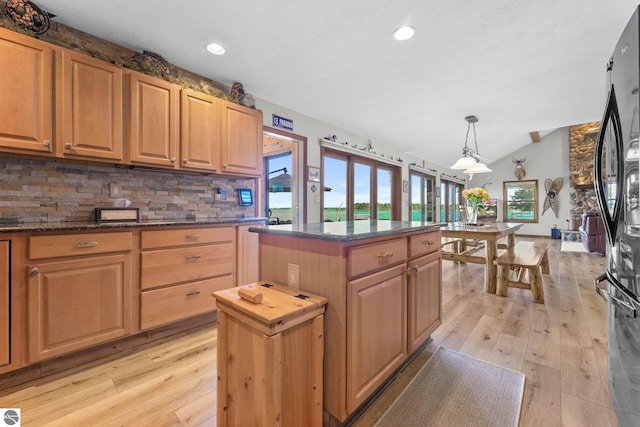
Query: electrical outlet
x,y
115,190
293,275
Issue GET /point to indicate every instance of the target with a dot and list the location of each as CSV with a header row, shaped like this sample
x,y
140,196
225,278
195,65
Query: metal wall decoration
x,y
552,188
27,15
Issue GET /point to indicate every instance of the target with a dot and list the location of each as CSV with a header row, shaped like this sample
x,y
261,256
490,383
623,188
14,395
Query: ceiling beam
x,y
535,136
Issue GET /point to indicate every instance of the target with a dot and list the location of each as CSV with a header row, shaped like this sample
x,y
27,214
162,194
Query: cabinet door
x,y
248,256
200,131
26,94
78,303
154,121
376,331
5,343
241,140
89,101
424,298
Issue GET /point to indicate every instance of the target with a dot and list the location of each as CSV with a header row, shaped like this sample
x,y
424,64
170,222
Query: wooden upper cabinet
x,y
200,131
89,102
26,94
241,140
154,121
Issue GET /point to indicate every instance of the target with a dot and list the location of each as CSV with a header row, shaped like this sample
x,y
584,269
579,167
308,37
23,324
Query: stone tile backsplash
x,y
34,190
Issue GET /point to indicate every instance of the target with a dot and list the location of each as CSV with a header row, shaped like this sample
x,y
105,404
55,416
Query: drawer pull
x,y
427,242
34,271
193,293
192,236
193,257
385,255
86,244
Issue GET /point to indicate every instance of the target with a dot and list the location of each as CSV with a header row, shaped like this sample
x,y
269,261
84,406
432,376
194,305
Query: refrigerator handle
x,y
611,116
626,307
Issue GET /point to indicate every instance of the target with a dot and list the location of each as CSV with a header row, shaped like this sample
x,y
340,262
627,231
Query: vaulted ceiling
x,y
520,66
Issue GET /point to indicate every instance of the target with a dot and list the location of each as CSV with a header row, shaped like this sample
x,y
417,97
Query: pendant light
x,y
470,160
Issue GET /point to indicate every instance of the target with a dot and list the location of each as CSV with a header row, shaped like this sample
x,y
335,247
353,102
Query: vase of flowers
x,y
474,198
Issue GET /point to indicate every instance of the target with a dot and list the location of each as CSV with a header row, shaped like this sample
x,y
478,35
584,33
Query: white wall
x,y
548,158
314,130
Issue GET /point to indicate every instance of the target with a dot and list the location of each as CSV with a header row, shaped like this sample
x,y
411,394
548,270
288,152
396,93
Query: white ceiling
x,y
520,66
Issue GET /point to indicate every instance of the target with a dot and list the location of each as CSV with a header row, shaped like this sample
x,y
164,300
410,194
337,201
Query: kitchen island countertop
x,y
346,231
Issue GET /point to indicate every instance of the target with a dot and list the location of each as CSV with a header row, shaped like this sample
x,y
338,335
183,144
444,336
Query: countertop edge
x,y
351,237
80,226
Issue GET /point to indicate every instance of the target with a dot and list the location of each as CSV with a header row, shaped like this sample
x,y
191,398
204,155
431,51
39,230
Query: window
x,y
361,188
450,200
520,201
422,196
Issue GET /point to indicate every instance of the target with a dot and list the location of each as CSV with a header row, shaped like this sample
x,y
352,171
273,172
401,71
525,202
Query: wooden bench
x,y
525,257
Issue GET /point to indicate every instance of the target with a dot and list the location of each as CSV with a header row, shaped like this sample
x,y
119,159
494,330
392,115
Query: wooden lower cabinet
x,y
384,302
425,298
376,331
247,256
180,268
167,305
73,304
5,305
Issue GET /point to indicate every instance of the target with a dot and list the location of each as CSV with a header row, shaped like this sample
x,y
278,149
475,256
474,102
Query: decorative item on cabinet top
x,y
28,15
154,64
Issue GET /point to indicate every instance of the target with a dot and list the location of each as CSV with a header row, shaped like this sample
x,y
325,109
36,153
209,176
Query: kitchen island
x,y
383,281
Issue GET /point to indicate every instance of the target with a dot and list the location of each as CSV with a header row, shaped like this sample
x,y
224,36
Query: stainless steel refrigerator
x,y
617,184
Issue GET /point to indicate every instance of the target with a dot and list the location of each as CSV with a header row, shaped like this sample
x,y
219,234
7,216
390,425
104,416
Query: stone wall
x,y
39,191
582,143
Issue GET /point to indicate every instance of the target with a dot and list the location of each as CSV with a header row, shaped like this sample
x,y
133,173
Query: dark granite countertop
x,y
33,227
346,231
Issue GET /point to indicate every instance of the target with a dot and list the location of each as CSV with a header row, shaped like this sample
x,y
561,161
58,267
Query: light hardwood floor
x,y
560,346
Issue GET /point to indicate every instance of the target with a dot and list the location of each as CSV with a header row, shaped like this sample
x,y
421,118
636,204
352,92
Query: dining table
x,y
489,234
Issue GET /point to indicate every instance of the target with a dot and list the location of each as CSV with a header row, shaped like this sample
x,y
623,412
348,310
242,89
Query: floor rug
x,y
568,246
453,389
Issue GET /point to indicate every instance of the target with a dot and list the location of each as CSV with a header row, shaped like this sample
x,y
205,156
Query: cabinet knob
x,y
224,166
193,293
413,269
185,161
427,242
193,257
192,236
34,271
173,160
46,143
68,146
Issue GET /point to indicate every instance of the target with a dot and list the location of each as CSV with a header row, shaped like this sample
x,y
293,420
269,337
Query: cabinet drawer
x,y
188,236
362,259
78,244
424,243
166,305
168,266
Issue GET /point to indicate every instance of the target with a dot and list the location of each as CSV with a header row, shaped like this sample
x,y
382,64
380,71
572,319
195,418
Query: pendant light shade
x,y
464,162
479,167
470,160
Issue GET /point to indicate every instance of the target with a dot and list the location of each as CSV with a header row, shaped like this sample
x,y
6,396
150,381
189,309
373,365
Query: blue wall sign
x,y
282,122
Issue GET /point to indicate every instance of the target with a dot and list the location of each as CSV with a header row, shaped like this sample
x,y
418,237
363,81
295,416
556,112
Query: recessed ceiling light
x,y
215,48
404,33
